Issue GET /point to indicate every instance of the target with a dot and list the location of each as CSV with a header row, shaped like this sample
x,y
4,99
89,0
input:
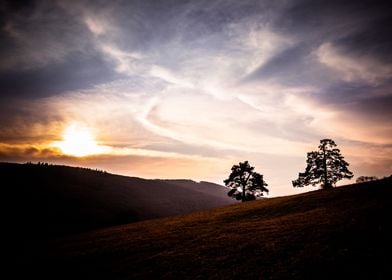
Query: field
x,y
326,234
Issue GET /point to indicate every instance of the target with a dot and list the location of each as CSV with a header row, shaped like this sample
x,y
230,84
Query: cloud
x,y
197,82
37,61
239,124
140,163
77,72
353,68
33,32
170,77
96,25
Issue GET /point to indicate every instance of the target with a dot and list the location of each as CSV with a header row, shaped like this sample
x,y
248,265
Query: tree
x,y
245,183
325,166
362,179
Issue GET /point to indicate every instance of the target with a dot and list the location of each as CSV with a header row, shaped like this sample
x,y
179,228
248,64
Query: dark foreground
x,y
343,233
50,200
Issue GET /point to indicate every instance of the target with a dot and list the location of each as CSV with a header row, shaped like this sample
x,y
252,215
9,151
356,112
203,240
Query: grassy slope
x,y
343,232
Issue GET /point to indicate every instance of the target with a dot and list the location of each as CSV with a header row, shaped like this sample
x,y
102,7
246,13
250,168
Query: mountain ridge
x,y
65,199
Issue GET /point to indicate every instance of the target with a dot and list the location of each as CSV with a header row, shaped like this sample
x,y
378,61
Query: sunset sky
x,y
186,89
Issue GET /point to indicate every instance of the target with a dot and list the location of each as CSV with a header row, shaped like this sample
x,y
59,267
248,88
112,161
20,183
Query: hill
x,y
341,233
53,200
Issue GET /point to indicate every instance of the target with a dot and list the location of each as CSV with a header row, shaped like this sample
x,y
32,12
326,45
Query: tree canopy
x,y
325,167
244,183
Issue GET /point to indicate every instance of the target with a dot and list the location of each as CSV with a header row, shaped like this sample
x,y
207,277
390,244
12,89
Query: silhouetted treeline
x,y
45,164
362,179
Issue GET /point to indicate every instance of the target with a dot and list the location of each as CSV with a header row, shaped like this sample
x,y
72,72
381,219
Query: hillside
x,y
341,233
55,200
202,187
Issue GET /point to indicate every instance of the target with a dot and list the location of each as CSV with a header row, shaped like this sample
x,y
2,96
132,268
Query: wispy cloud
x,y
353,68
96,25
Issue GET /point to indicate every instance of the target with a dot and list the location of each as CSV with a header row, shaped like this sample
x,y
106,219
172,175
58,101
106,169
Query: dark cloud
x,y
46,50
358,27
293,66
23,7
344,93
30,153
357,30
40,33
22,118
372,40
310,16
74,73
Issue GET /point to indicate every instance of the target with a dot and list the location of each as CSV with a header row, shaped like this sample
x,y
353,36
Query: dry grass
x,y
338,233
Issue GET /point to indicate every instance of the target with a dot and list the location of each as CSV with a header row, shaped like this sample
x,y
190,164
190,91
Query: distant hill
x,y
341,233
203,187
55,200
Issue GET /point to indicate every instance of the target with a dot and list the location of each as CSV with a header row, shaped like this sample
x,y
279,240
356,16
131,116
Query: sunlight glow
x,y
78,141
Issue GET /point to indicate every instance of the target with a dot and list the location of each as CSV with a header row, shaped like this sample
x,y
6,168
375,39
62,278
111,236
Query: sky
x,y
186,89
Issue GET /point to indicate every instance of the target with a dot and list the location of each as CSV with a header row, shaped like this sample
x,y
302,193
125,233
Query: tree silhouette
x,y
325,166
245,183
362,179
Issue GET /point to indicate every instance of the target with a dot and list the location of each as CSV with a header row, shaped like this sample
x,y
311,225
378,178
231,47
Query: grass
x,y
327,234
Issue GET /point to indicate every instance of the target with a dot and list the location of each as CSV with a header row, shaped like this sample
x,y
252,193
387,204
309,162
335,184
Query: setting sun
x,y
79,141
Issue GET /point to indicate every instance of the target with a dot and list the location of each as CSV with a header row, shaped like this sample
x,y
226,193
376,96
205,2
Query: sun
x,y
78,140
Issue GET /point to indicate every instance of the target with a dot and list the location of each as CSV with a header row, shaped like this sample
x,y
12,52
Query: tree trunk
x,y
326,184
243,188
